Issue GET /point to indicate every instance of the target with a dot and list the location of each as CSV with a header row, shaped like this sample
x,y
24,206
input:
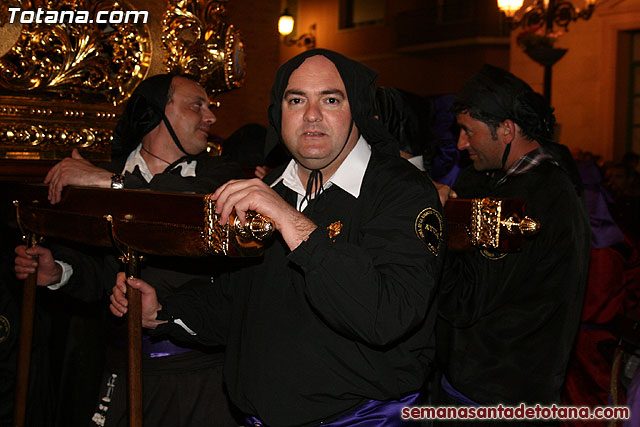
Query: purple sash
x,y
633,401
455,394
374,413
161,348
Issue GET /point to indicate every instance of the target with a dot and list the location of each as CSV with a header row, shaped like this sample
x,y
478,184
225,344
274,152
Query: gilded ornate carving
x,y
197,41
76,59
63,85
233,238
485,222
30,134
488,222
33,129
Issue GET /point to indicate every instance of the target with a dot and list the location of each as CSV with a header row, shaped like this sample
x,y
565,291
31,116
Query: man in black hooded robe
x,y
159,144
335,325
507,321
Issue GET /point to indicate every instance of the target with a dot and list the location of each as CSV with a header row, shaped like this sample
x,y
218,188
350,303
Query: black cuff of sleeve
x,y
164,315
134,182
170,328
316,243
165,330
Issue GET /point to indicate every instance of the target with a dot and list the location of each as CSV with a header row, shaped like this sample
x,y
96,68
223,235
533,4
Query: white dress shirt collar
x,y
348,176
136,159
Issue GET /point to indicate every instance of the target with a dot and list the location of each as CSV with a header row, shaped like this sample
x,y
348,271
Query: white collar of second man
x,y
348,176
136,159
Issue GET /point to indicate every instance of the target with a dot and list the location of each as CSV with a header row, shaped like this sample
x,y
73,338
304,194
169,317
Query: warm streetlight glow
x,y
538,20
510,7
285,27
285,23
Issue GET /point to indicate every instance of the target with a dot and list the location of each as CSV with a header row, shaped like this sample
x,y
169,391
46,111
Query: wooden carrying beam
x,y
178,224
135,221
88,215
151,222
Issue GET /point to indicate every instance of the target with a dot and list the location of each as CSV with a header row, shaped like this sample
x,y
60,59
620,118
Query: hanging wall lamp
x,y
285,27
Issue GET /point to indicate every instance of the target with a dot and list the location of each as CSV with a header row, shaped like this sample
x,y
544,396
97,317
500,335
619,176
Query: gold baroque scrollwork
x,y
198,42
46,139
488,223
485,222
31,129
63,85
75,60
233,238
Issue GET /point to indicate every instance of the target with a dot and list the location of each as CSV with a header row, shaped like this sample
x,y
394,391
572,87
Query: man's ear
x,y
507,131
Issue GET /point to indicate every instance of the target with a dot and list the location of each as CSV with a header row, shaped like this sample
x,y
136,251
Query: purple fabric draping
x,y
633,401
455,394
444,167
604,231
161,348
374,413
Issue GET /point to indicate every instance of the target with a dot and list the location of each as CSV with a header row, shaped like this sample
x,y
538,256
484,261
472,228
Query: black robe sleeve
x,y
378,289
477,283
205,308
94,270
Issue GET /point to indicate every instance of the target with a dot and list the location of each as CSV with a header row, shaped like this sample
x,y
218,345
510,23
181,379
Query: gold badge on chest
x,y
334,229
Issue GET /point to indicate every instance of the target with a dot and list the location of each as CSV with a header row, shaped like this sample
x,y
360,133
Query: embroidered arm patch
x,y
429,227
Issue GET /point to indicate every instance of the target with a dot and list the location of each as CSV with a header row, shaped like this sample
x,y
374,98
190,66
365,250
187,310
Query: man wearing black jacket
x,y
159,144
507,321
335,325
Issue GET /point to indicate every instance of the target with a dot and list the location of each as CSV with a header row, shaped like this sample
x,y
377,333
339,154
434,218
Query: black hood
x,y
360,84
144,111
501,95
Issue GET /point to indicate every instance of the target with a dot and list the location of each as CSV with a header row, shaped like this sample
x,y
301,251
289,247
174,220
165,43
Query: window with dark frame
x,y
633,121
361,13
450,11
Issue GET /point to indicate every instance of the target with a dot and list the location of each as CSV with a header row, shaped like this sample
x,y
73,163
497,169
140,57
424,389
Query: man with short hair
x,y
507,321
335,325
159,144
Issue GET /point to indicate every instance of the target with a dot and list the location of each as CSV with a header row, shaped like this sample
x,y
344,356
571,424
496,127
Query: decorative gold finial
x,y
256,227
529,226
